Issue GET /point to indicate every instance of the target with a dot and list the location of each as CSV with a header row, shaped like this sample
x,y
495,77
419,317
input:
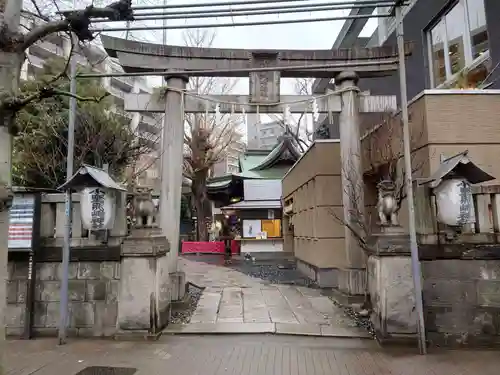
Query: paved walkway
x,y
240,355
237,303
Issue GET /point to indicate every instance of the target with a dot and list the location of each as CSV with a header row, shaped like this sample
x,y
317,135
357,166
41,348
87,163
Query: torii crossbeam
x,y
137,56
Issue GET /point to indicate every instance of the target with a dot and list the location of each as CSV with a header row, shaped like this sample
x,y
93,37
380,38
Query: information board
x,y
21,218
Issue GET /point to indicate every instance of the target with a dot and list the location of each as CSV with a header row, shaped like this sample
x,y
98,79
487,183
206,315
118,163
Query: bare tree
x,y
384,151
382,157
301,133
206,138
382,160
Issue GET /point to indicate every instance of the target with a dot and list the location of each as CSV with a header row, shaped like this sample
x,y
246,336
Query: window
x,y
477,27
438,48
455,32
458,45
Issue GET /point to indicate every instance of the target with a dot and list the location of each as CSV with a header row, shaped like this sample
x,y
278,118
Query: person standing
x,y
226,235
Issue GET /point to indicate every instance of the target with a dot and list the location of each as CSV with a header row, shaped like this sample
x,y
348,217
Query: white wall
x,y
262,190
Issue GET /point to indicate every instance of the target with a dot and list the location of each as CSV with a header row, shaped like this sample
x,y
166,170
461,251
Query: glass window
x,y
477,27
455,31
458,43
438,55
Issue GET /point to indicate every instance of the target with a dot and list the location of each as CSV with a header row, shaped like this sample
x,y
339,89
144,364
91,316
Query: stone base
x,y
144,243
178,285
391,241
352,281
145,287
324,277
391,293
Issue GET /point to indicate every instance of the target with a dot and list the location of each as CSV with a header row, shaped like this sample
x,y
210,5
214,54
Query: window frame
x,y
467,40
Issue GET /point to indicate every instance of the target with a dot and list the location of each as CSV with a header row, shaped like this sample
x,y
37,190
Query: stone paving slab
x,y
222,327
232,297
298,329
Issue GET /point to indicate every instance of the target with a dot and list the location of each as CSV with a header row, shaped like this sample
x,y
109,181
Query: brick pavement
x,y
242,355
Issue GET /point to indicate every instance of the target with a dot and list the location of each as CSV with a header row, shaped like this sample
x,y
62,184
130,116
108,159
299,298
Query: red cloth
x,y
217,247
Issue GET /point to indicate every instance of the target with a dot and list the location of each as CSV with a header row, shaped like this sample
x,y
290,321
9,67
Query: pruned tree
x,y
103,137
206,138
382,160
384,151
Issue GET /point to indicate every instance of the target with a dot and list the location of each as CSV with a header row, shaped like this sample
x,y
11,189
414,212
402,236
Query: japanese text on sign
x,y
97,209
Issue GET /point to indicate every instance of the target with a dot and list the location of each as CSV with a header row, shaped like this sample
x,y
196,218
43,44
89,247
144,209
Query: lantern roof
x,y
458,166
88,176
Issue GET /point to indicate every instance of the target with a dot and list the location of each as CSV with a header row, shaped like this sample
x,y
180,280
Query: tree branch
x,y
76,21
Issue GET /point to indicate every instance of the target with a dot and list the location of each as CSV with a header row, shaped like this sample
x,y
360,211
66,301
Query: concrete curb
x,y
266,328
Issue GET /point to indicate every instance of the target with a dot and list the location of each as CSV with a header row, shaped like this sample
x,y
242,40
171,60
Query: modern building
x,y
90,55
456,44
263,135
230,163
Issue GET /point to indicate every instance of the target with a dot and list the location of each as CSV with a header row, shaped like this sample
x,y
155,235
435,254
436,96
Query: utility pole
x,y
10,67
415,261
68,204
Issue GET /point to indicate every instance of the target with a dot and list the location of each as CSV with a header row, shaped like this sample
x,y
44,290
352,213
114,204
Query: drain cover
x,y
106,370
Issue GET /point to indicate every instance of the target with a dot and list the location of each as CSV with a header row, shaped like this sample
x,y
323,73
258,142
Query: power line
x,y
239,24
374,3
239,13
249,2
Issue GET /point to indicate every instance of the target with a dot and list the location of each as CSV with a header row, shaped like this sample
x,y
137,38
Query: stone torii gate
x,y
345,65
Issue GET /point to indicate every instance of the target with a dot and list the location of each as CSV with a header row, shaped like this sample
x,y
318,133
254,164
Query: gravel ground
x,y
361,321
182,316
281,273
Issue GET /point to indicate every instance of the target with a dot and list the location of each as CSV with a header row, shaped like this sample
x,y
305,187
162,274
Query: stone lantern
x,y
98,197
451,185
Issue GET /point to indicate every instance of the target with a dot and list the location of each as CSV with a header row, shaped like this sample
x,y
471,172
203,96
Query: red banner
x,y
208,247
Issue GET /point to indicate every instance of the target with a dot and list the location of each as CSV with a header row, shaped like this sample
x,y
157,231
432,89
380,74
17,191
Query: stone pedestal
x,y
390,285
145,288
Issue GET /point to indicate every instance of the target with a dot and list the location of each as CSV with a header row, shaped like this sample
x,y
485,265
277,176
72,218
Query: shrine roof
x,y
252,158
285,150
88,176
261,164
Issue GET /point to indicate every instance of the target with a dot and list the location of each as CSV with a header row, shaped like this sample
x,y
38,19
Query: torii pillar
x,y
351,280
171,166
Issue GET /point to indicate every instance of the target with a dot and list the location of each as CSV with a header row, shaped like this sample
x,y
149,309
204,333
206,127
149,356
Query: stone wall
x,y
462,301
93,296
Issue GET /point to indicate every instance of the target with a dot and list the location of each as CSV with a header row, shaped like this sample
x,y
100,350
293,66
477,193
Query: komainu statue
x,y
322,132
387,205
143,208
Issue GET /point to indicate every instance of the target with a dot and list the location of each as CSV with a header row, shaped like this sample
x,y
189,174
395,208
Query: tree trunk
x,y
202,221
199,190
10,67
